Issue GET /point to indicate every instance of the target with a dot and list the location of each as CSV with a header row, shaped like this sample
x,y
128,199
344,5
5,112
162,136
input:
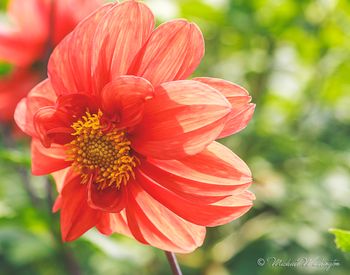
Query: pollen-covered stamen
x,y
103,155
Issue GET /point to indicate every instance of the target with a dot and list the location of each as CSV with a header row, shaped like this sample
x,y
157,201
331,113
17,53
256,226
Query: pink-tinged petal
x,y
114,223
109,199
119,36
124,98
13,87
60,178
76,215
242,109
214,172
69,66
47,160
119,224
173,52
152,223
202,212
40,96
181,120
238,121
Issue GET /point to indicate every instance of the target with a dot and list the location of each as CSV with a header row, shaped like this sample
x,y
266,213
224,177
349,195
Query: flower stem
x,y
173,263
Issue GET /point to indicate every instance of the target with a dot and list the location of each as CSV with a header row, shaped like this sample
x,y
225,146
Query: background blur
x,y
294,58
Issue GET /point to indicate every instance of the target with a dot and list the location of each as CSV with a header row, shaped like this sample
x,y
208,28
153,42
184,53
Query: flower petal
x,y
115,222
60,178
182,119
121,33
47,160
152,223
119,224
109,199
76,215
124,98
214,172
53,123
173,52
242,110
40,96
199,211
104,225
57,204
69,66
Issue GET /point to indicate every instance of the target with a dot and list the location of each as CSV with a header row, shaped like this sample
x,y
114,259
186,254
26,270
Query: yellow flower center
x,y
105,156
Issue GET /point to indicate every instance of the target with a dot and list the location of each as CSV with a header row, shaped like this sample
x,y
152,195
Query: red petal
x,y
214,172
76,105
47,160
152,223
242,110
53,123
119,36
193,209
61,177
173,52
13,88
181,120
104,225
76,215
124,99
109,199
69,67
40,96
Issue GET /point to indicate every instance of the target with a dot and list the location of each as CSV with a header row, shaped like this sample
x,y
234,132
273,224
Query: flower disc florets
x,y
104,155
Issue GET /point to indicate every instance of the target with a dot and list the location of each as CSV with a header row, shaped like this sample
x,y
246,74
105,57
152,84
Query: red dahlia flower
x,y
24,40
132,141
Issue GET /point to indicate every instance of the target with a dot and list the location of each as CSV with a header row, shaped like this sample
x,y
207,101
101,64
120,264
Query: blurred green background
x,y
294,58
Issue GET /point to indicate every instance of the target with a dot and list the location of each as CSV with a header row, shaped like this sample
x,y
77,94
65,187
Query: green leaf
x,y
3,5
5,68
342,239
13,156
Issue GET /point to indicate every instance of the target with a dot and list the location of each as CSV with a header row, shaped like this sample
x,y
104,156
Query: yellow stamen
x,y
106,156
